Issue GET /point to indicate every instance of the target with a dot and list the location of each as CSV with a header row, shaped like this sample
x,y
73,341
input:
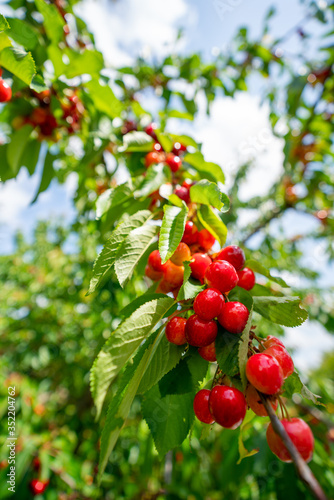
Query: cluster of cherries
x,y
158,155
5,90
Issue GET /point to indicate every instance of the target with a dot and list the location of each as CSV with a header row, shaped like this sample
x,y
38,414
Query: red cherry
x,y
38,487
208,352
299,433
205,239
153,158
174,162
152,274
157,147
228,406
190,234
271,341
179,148
173,274
234,317
183,193
246,278
234,255
199,264
255,403
150,130
5,91
221,275
264,373
154,261
209,303
36,463
165,287
200,332
201,407
181,254
175,331
283,357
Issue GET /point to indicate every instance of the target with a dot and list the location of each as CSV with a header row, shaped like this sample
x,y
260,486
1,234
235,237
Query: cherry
x,y
152,274
271,341
209,303
165,287
299,433
153,158
5,91
190,234
233,317
283,358
174,162
234,255
205,239
179,148
181,254
175,331
128,125
36,463
38,487
246,278
173,274
221,275
200,332
208,352
157,147
154,261
264,373
201,407
150,130
39,116
183,193
199,264
255,403
228,406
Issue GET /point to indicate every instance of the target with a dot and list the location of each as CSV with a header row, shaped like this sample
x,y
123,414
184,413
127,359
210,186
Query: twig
x,y
302,468
262,224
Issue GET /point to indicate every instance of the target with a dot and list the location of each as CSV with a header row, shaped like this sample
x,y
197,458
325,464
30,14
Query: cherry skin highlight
x,y
233,317
38,487
200,333
228,406
299,433
5,91
181,254
205,239
201,407
234,255
190,234
254,402
175,330
264,373
283,358
208,352
199,264
174,162
209,303
154,261
221,275
246,278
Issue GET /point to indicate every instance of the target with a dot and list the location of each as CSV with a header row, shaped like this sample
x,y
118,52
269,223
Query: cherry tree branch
x,y
302,468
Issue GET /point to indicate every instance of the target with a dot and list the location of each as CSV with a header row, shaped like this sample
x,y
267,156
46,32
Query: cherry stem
x,y
260,341
301,466
284,410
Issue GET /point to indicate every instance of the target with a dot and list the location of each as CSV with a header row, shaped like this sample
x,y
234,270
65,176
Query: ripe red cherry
x,y
208,352
153,157
153,275
205,239
234,255
154,261
150,130
200,332
228,406
234,317
165,287
271,341
173,274
201,407
221,275
179,148
299,433
199,264
183,193
246,278
181,254
5,91
264,373
190,234
174,162
283,358
175,331
209,303
38,487
254,402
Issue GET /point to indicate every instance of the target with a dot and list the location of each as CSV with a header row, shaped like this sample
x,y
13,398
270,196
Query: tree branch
x,y
302,468
264,222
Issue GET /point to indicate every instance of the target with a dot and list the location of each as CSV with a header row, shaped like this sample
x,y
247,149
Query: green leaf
x,y
207,170
132,249
239,294
53,21
259,268
122,344
31,155
284,311
112,198
208,193
139,301
185,140
177,381
243,452
227,347
156,175
136,141
47,175
172,229
23,33
243,350
104,99
106,259
190,288
293,385
184,115
212,223
165,141
16,60
16,147
3,23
